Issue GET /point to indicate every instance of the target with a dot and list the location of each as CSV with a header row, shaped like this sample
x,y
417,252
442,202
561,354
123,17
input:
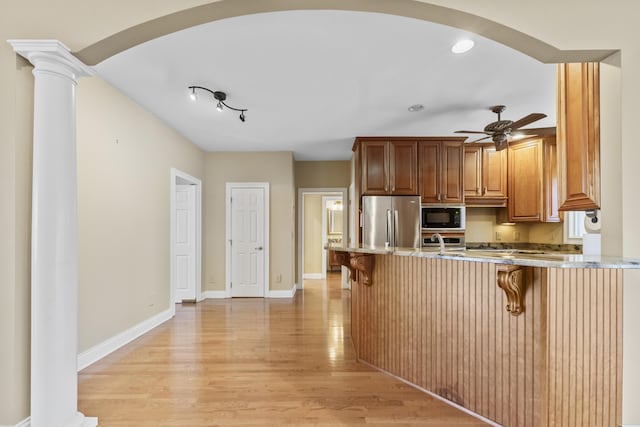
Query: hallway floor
x,y
254,362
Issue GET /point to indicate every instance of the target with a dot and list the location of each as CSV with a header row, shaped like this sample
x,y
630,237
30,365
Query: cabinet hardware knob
x,y
259,248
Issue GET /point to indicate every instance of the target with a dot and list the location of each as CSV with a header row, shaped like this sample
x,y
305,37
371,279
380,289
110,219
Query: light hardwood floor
x,y
254,362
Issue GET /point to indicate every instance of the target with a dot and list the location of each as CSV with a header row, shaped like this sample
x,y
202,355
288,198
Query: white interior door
x,y
247,242
185,243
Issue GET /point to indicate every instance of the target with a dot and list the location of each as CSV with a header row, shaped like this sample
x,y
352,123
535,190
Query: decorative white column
x,y
54,240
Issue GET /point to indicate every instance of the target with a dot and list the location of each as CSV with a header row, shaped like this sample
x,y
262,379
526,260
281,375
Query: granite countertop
x,y
506,256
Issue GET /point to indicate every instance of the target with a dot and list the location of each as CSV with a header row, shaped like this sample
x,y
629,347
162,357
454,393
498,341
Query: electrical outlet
x,y
278,278
516,236
498,236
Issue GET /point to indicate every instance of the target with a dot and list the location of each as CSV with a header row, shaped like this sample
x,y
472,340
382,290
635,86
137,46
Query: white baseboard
x,y
312,276
24,423
288,293
86,422
101,350
215,295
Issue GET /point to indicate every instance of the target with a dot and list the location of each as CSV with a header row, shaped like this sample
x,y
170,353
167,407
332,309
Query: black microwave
x,y
439,217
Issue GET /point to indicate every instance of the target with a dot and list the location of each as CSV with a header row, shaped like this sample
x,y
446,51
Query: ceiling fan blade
x,y
533,117
470,131
538,131
478,140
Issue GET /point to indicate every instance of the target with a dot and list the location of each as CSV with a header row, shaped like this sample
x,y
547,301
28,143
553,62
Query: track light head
x,y
193,95
219,106
242,118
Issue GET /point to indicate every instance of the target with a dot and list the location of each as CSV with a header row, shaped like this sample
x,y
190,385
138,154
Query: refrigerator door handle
x,y
388,242
395,228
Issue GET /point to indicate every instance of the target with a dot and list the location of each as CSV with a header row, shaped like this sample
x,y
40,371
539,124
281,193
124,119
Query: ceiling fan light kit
x,y
219,96
501,130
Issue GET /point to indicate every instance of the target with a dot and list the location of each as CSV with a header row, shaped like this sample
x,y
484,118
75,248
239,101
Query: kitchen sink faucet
x,y
438,236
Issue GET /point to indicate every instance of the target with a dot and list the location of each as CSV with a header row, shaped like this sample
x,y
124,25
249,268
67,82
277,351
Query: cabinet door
x,y
375,168
451,190
403,165
472,170
494,173
429,171
525,181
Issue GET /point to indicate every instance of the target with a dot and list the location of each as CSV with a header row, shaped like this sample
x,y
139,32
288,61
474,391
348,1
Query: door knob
x,y
259,248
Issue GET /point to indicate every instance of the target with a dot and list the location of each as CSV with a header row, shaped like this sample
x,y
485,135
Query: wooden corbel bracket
x,y
511,281
357,262
343,258
364,264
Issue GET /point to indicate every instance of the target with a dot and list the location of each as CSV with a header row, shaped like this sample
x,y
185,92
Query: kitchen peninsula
x,y
519,339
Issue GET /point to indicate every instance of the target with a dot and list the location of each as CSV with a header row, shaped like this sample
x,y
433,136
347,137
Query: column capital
x,y
51,55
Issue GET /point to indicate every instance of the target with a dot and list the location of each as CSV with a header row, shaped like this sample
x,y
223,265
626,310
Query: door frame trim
x,y
267,206
300,235
176,173
325,236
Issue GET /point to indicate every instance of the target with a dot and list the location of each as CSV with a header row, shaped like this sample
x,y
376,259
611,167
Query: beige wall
x,y
276,168
570,24
312,234
325,174
124,159
15,230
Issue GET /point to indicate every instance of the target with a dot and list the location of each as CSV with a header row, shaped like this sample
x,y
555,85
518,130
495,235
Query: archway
x,y
186,18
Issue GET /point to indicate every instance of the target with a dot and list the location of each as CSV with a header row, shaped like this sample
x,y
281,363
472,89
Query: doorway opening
x,y
322,219
185,238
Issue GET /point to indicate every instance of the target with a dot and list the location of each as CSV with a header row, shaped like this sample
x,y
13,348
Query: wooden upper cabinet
x,y
472,171
578,133
403,164
389,167
533,181
440,171
429,171
452,172
375,167
525,181
485,176
494,173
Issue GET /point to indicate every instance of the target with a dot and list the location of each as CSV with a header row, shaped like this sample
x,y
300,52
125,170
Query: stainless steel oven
x,y
435,218
450,240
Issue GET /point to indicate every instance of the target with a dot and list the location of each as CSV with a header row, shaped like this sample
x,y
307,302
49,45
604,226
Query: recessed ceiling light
x,y
462,46
416,107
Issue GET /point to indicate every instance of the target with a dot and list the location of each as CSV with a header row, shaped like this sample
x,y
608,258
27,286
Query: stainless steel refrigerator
x,y
391,221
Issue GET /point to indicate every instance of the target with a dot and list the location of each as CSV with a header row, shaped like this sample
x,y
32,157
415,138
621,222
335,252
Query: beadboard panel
x,y
442,325
585,347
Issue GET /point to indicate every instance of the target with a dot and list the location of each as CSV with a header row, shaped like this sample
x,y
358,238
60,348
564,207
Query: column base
x,y
81,421
90,422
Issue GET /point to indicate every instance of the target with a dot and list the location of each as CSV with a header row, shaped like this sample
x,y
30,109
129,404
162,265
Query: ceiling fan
x,y
500,130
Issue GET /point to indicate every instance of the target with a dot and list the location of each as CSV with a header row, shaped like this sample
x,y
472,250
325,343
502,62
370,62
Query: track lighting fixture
x,y
218,96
